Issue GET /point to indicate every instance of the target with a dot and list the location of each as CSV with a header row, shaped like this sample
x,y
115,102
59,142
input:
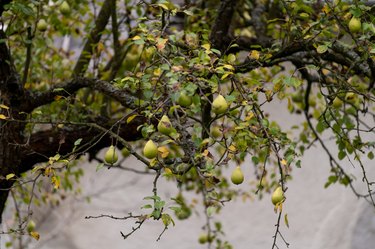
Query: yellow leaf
x,y
225,75
35,235
4,106
57,97
230,67
2,116
9,176
56,182
137,37
206,46
157,72
161,44
129,119
164,152
232,148
165,7
283,162
254,54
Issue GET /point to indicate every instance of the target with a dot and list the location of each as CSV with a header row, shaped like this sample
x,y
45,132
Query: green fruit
x,y
125,152
31,226
150,150
41,25
355,25
337,102
215,132
312,102
351,97
297,97
278,195
64,8
110,156
219,105
184,100
237,176
165,126
203,238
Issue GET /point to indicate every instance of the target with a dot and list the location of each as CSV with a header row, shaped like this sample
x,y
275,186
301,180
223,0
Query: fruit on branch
x,y
165,126
297,97
184,100
237,176
203,238
277,195
215,132
64,8
110,156
41,25
351,97
125,152
337,102
355,25
150,150
219,105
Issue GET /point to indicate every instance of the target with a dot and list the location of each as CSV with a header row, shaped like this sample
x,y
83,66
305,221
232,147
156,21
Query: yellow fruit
x,y
278,195
355,25
110,156
219,105
125,152
184,100
165,126
237,176
150,150
337,102
64,8
41,25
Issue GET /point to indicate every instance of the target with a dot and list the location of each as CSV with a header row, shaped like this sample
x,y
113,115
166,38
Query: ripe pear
x,y
184,100
237,176
110,156
165,126
355,25
41,25
64,8
277,195
219,105
337,102
150,150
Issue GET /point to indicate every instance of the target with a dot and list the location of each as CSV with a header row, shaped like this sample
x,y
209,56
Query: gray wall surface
x,y
319,218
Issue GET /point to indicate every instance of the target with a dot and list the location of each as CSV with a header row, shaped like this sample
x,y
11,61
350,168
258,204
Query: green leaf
x,y
286,220
78,142
10,176
341,155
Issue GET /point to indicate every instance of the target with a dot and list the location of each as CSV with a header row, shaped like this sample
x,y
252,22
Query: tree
x,y
190,78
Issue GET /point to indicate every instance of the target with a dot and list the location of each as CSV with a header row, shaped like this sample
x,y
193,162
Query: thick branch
x,y
94,37
67,88
46,143
219,34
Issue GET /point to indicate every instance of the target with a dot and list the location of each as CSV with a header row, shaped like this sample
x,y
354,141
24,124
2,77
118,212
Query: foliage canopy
x,y
191,79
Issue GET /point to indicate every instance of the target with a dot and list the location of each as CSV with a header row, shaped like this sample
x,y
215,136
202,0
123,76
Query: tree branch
x,y
93,38
65,89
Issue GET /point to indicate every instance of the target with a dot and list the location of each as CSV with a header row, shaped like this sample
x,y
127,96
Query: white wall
x,y
319,218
